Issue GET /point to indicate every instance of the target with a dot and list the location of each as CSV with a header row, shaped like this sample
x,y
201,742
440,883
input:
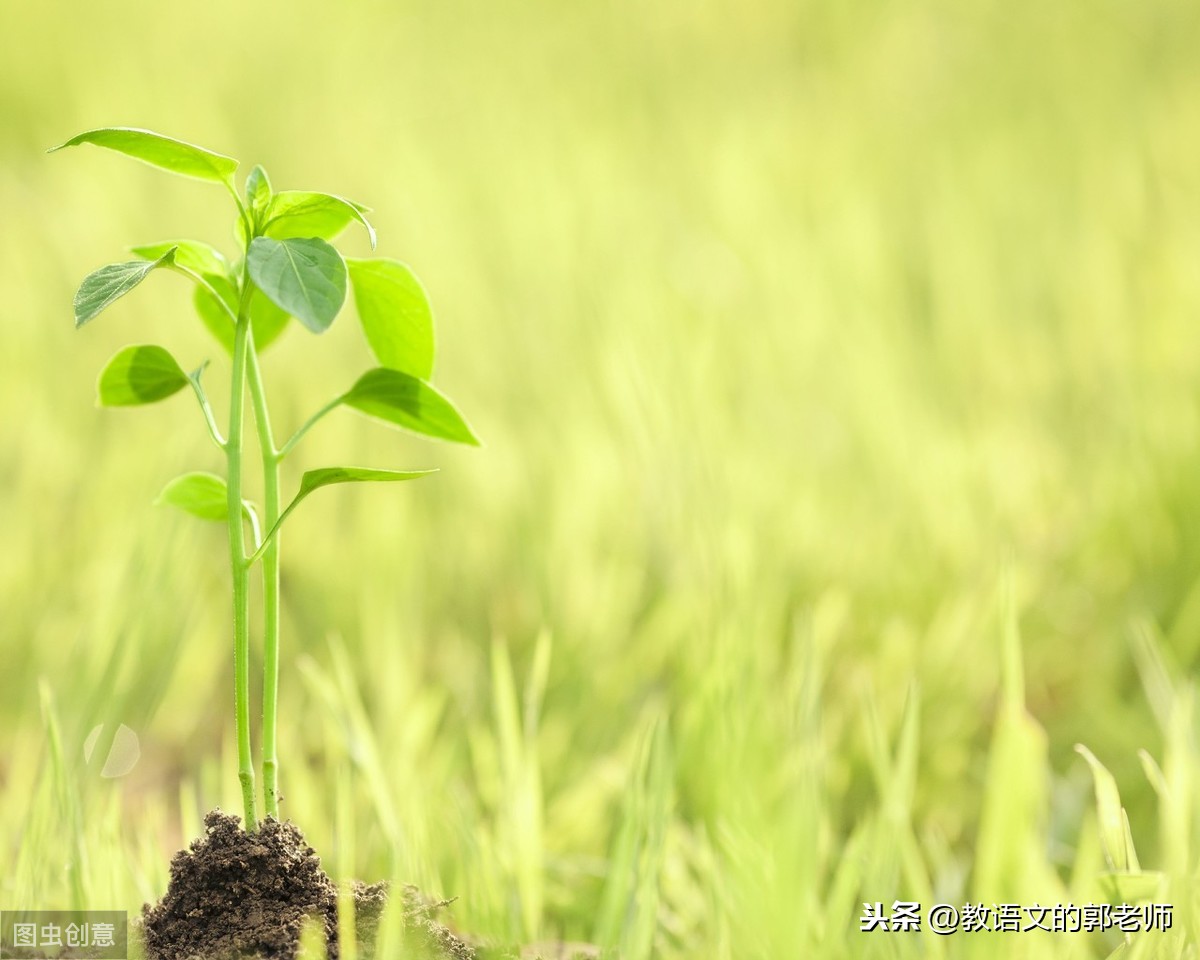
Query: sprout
x,y
286,267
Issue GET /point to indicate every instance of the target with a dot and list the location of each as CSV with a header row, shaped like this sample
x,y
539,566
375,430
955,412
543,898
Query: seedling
x,y
285,268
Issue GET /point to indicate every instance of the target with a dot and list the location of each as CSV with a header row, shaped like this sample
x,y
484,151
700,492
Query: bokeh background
x,y
818,348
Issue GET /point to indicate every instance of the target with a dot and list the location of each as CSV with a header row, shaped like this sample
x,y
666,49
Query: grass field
x,y
839,370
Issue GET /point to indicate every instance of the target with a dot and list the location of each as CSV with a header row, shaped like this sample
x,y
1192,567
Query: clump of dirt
x,y
246,896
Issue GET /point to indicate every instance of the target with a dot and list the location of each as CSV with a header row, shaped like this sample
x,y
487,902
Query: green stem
x,y
237,550
270,462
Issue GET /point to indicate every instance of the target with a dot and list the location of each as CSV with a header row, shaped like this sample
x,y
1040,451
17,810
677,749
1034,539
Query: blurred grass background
x,y
795,331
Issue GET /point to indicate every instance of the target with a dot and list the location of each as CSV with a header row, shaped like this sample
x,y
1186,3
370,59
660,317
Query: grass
x,y
837,368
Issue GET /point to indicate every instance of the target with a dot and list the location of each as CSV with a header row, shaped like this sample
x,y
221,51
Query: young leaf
x,y
258,194
315,479
203,495
139,374
185,159
110,283
305,277
301,213
410,403
326,476
190,254
395,315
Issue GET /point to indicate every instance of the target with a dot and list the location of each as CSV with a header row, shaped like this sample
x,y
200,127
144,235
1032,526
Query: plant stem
x,y
237,550
270,462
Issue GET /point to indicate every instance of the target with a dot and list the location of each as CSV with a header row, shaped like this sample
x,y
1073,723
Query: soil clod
x,y
246,896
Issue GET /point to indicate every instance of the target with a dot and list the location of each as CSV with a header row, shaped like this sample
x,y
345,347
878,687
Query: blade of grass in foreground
x,y
68,801
521,778
1009,859
628,918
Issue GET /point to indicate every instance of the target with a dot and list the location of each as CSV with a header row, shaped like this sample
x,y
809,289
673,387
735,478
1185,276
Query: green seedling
x,y
285,268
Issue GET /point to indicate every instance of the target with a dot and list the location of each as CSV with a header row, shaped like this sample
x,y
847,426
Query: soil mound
x,y
246,896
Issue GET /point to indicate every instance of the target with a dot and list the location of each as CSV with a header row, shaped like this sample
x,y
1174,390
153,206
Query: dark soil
x,y
246,896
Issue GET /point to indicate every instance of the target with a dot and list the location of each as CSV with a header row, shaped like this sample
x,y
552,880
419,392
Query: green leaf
x,y
102,287
139,374
190,254
185,159
305,277
301,213
203,495
395,315
326,476
267,321
315,479
408,402
258,194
